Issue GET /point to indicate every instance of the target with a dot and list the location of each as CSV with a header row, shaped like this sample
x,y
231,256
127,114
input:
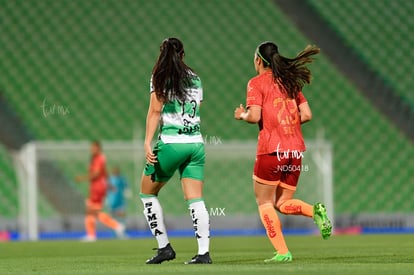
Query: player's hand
x,y
78,179
149,155
239,110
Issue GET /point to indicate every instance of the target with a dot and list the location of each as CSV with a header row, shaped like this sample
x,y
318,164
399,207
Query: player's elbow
x,y
305,112
253,118
305,117
154,112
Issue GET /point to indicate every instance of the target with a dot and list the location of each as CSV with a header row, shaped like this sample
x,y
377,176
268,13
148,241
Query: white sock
x,y
201,223
155,219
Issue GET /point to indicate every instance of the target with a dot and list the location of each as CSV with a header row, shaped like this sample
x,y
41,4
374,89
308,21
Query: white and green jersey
x,y
180,121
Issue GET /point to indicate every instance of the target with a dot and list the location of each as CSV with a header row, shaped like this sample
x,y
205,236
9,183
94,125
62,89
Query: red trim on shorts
x,y
274,183
287,186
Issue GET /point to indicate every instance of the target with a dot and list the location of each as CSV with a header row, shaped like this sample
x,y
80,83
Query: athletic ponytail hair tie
x,y
261,57
172,43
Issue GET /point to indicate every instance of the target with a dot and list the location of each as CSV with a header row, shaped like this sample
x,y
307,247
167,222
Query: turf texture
x,y
362,254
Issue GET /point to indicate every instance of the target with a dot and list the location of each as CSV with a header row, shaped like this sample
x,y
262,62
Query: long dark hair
x,y
171,76
290,72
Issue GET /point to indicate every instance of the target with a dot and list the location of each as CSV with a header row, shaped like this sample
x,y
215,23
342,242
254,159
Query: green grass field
x,y
367,254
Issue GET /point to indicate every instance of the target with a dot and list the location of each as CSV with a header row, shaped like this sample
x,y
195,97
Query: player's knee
x,y
261,201
277,207
264,198
90,212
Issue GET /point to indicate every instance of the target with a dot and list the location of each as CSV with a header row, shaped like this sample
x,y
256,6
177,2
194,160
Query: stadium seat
x,y
386,44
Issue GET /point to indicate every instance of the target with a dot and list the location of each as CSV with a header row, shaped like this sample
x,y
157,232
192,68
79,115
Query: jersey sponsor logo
x,y
288,115
187,130
269,226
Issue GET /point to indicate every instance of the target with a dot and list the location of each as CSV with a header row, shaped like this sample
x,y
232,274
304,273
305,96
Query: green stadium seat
x,y
381,32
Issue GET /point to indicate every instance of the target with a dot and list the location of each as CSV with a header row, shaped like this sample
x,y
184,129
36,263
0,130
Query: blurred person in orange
x,y
97,177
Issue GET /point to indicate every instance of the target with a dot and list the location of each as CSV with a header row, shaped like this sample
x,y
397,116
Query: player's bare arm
x,y
95,174
305,112
87,177
81,178
252,115
153,118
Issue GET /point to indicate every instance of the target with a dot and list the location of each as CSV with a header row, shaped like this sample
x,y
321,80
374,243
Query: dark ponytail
x,y
170,75
290,72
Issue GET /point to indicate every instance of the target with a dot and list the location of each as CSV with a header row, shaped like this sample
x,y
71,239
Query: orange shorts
x,y
278,169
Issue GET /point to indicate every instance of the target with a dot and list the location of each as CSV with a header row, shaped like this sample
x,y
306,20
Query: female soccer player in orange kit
x,y
97,191
276,103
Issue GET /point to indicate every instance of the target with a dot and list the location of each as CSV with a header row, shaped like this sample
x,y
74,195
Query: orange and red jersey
x,y
279,126
98,163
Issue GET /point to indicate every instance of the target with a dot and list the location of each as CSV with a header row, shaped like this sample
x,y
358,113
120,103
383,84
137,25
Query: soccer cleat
x,y
280,258
321,220
201,259
166,253
120,232
88,239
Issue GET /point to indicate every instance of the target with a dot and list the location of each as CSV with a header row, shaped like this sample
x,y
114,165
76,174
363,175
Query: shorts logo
x,y
269,226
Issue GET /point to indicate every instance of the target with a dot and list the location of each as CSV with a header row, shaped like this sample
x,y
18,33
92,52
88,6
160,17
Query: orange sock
x,y
108,220
90,225
296,207
273,227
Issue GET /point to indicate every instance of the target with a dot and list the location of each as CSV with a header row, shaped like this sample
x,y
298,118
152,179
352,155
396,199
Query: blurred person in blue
x,y
117,191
